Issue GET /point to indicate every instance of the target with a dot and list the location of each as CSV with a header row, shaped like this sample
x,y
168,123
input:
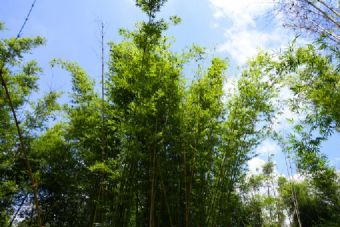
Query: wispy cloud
x,y
244,31
255,165
268,147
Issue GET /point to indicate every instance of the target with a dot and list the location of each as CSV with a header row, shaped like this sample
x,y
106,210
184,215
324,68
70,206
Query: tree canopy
x,y
156,149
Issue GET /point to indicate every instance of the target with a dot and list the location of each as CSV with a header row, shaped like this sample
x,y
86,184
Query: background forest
x,y
160,141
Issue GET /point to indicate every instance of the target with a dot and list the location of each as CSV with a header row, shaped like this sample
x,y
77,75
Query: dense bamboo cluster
x,y
160,148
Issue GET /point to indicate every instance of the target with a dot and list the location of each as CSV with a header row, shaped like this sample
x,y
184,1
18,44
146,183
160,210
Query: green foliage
x,y
18,82
175,20
268,168
313,210
150,7
83,91
159,151
313,80
13,49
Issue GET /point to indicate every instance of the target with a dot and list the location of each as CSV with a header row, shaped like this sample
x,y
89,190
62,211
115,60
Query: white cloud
x,y
335,162
215,25
230,87
243,44
268,147
255,165
282,120
298,177
243,34
243,10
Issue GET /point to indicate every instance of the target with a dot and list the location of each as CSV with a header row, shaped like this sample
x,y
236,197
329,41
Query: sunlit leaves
x,y
151,7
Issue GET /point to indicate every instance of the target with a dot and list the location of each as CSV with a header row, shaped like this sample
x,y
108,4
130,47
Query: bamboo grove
x,y
157,149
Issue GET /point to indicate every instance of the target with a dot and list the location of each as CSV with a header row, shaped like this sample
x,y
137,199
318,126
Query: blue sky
x,y
228,28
